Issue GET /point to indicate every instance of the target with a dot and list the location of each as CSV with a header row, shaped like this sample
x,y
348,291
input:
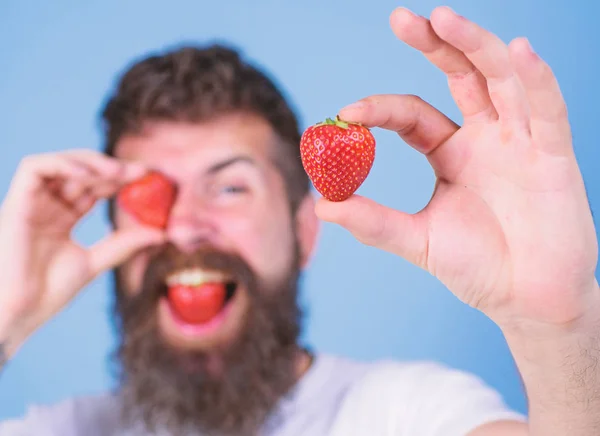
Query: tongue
x,y
197,304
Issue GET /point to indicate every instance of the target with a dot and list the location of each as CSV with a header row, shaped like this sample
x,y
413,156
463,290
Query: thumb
x,y
120,245
372,224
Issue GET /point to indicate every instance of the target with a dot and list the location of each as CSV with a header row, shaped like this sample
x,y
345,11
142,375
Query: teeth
x,y
194,277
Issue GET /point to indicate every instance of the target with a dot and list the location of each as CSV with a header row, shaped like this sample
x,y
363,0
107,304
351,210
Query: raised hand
x,y
43,268
508,229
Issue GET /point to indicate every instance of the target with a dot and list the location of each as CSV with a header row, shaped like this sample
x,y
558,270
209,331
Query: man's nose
x,y
190,224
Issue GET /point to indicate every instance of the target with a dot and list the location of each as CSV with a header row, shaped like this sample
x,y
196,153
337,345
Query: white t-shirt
x,y
336,397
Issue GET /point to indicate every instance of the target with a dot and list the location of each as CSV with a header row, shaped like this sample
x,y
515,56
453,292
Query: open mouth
x,y
197,296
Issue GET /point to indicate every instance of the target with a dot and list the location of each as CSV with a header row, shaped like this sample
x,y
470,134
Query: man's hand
x,y
509,228
42,267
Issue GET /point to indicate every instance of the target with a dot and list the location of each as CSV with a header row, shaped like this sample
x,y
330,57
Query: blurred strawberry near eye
x,y
149,199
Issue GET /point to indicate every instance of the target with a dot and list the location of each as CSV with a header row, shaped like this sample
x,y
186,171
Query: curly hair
x,y
196,84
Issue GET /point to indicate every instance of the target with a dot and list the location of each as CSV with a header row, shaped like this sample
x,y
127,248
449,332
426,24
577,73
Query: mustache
x,y
170,259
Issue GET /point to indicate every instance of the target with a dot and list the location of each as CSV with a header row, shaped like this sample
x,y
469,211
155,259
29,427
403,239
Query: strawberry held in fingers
x,y
337,156
149,199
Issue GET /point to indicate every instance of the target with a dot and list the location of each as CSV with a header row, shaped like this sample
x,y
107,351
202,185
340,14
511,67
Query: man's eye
x,y
234,189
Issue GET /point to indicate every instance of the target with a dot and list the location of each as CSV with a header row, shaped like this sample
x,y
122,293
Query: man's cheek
x,y
133,273
269,255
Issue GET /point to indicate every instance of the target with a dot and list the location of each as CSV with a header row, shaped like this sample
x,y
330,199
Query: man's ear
x,y
307,229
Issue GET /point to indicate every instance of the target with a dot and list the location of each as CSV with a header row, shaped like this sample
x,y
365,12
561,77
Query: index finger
x,y
106,167
418,123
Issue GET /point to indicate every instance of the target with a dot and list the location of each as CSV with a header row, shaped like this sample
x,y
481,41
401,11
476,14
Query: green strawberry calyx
x,y
334,122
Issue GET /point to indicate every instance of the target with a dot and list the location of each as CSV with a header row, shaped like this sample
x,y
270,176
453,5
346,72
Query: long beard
x,y
179,392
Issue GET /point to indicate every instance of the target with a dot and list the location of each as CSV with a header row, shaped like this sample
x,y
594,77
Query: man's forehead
x,y
218,138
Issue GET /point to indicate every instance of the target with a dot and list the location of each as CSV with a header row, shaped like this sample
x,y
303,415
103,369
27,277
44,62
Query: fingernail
x,y
354,106
448,8
453,12
529,50
406,11
529,46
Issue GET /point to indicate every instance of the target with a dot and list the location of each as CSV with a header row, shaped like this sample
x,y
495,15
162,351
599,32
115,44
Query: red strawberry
x,y
337,156
197,304
149,199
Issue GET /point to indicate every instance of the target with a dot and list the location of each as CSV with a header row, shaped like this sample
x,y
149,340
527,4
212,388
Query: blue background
x,y
60,57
